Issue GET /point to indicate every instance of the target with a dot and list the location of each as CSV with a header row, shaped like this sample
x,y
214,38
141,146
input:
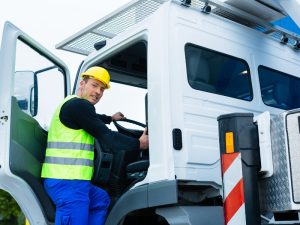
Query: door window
x,y
38,84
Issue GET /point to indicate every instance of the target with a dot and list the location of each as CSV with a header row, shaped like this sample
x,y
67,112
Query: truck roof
x,y
258,15
109,26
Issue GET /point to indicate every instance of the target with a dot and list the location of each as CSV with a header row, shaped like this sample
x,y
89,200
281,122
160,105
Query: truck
x,y
218,85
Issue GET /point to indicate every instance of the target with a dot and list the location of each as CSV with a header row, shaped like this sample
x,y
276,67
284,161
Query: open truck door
x,y
32,83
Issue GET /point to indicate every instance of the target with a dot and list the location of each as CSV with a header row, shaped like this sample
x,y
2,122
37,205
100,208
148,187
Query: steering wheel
x,y
129,132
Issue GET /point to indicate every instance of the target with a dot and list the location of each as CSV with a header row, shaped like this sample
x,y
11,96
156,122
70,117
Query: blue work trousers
x,y
78,202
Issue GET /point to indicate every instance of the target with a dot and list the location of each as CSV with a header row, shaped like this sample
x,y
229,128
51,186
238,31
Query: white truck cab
x,y
189,62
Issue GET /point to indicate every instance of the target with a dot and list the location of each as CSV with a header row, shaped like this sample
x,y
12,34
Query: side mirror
x,y
25,91
34,98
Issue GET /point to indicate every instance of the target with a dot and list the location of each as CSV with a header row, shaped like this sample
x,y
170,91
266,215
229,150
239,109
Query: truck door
x,y
32,83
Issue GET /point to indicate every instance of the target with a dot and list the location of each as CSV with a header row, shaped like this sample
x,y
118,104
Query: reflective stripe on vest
x,y
69,161
70,145
69,153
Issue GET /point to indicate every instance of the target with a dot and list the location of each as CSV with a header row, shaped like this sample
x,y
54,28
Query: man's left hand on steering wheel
x,y
118,116
129,132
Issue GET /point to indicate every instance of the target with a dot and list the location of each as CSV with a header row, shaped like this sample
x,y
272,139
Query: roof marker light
x,y
284,39
297,45
186,3
206,8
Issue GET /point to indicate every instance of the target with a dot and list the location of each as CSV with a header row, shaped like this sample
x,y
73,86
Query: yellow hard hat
x,y
98,73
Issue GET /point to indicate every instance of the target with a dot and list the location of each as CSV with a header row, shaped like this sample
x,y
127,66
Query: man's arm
x,y
108,119
105,119
80,114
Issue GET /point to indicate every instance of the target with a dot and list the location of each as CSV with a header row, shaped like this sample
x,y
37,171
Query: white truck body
x,y
161,47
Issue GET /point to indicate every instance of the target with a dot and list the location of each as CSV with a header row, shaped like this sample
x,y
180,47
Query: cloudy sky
x,y
49,22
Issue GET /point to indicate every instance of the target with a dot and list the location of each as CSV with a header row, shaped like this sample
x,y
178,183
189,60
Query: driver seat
x,y
102,165
110,169
117,181
137,171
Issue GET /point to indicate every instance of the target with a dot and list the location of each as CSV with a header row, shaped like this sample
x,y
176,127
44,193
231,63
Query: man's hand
x,y
118,116
144,141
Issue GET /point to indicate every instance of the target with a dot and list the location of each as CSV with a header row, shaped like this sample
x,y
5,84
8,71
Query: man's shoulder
x,y
77,103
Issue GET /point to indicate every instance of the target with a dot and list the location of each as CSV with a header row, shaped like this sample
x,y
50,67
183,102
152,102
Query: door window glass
x,y
38,84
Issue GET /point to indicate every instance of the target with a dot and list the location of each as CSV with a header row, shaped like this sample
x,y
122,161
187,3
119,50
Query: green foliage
x,y
9,209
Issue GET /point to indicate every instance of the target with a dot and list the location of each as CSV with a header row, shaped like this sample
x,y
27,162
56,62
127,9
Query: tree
x,y
10,212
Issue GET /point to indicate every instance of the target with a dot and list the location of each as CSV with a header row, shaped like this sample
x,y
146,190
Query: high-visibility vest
x,y
69,153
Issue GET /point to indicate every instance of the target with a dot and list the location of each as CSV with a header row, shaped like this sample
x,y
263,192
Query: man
x,y
68,166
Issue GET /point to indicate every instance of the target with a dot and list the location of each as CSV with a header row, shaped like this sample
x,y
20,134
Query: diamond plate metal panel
x,y
293,135
274,191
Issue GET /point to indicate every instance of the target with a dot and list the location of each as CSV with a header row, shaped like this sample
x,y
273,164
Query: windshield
x,y
123,98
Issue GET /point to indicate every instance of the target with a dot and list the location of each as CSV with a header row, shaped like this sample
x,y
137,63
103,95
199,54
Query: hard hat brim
x,y
107,86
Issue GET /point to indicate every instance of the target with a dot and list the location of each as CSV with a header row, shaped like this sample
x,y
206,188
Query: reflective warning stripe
x,y
69,161
70,145
232,172
234,200
233,186
239,217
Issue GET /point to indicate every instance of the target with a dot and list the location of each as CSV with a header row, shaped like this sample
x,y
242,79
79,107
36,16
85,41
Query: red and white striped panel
x,y
233,185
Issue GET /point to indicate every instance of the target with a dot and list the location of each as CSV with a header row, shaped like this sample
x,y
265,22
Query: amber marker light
x,y
229,142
